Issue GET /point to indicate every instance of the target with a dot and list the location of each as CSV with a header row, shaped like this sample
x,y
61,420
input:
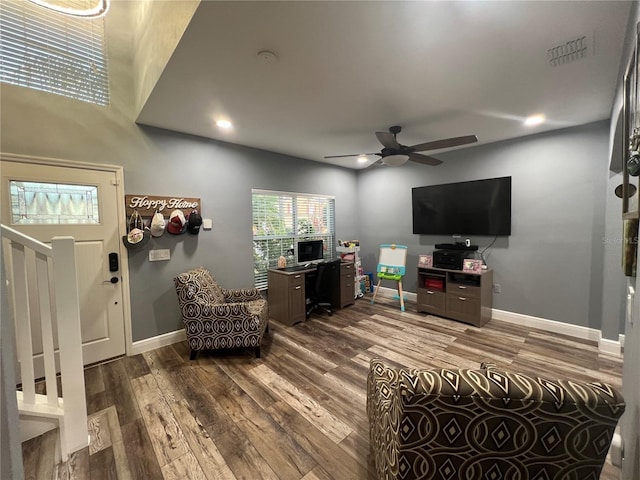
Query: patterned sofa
x,y
487,424
219,318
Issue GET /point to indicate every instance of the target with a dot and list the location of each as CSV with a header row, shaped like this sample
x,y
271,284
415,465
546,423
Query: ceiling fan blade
x,y
387,139
445,143
424,159
350,155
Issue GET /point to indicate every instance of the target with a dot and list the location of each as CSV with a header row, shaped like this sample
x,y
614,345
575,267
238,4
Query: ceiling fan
x,y
395,154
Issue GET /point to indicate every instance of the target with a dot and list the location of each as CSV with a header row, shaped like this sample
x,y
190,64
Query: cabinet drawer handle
x,y
298,287
462,299
462,287
297,276
430,292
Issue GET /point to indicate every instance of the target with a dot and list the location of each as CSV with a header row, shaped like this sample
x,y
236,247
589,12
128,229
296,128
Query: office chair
x,y
327,280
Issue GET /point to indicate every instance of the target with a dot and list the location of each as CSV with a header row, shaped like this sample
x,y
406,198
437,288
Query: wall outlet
x,y
497,288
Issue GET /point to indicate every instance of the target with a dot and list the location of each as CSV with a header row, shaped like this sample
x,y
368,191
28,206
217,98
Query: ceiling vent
x,y
570,51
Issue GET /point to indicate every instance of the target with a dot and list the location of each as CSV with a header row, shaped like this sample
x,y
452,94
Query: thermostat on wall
x,y
207,223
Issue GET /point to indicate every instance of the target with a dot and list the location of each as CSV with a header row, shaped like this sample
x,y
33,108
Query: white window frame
x,y
54,52
277,232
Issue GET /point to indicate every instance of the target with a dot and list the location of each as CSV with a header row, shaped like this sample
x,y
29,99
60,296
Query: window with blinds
x,y
281,220
55,52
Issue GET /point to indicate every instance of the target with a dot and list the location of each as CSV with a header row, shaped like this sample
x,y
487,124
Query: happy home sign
x,y
146,205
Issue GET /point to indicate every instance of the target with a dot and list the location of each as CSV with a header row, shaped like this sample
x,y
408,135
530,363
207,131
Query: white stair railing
x,y
43,294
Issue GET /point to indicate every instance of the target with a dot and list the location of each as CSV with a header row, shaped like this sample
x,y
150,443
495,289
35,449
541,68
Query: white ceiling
x,y
347,69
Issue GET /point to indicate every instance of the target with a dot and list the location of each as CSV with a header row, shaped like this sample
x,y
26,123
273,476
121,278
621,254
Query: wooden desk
x,y
288,298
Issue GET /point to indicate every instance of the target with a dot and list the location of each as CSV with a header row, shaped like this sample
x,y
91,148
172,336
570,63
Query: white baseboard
x,y
163,340
611,347
553,326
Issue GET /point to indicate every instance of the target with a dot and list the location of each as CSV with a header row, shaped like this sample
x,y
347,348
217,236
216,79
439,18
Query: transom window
x,y
281,220
34,203
48,50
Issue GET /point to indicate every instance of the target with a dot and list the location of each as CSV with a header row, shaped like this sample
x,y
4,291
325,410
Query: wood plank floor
x,y
296,413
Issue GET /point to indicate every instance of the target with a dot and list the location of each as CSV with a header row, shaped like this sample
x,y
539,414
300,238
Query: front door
x,y
44,201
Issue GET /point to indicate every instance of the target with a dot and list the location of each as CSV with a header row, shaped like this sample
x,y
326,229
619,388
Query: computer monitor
x,y
310,251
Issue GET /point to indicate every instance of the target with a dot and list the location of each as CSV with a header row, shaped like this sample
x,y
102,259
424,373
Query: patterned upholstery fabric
x,y
487,424
215,317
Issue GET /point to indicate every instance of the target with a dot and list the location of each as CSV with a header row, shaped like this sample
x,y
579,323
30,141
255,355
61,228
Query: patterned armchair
x,y
487,424
217,318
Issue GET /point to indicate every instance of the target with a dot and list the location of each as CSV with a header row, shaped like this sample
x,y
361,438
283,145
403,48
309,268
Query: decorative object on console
x,y
220,318
487,423
425,260
282,261
472,265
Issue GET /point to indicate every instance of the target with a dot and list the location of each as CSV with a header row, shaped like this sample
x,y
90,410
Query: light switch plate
x,y
207,223
159,254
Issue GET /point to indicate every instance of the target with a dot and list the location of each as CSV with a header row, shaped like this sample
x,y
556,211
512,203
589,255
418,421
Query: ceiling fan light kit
x,y
395,160
395,154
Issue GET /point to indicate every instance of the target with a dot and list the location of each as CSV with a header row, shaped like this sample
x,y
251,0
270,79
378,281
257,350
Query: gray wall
x,y
551,265
222,175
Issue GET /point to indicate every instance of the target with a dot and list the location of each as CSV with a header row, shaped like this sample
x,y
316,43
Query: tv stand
x,y
463,296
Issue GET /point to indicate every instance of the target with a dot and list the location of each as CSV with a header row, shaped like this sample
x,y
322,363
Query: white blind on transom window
x,y
281,220
53,52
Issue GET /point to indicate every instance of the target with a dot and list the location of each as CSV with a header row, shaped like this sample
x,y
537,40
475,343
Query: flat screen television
x,y
479,207
310,251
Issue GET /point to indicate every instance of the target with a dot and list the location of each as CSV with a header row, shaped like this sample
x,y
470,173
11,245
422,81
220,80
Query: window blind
x,y
53,52
281,220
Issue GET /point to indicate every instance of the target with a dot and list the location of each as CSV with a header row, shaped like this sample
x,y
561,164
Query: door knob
x,y
112,280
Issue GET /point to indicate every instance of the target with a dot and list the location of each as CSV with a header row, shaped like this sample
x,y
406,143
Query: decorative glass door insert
x,y
35,203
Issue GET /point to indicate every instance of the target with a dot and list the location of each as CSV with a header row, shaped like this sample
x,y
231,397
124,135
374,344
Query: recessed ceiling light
x,y
534,120
362,158
226,124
